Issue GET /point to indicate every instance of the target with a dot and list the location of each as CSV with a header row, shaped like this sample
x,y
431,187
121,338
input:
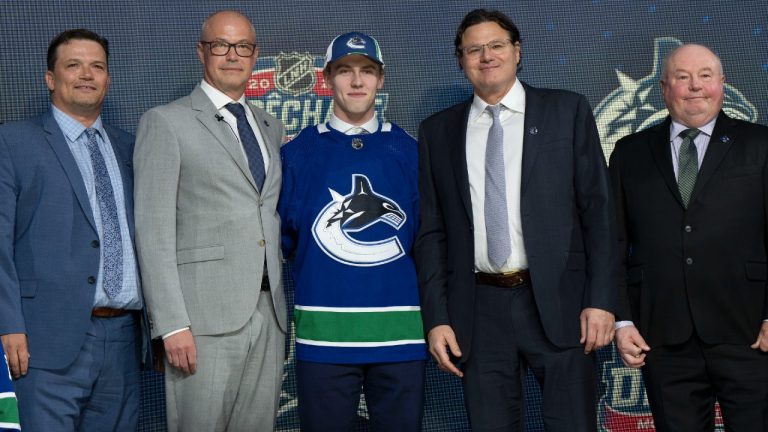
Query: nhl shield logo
x,y
295,72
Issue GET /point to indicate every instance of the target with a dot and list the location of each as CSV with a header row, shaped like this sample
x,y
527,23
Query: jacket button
x,y
689,261
91,280
262,242
94,243
688,228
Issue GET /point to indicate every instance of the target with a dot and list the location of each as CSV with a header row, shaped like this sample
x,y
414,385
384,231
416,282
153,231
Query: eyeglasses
x,y
221,48
496,47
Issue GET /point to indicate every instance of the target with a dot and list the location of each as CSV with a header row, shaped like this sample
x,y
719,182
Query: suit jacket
x,y
703,268
203,230
566,210
47,258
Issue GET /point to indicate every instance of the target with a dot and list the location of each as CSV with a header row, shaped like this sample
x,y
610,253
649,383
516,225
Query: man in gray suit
x,y
207,183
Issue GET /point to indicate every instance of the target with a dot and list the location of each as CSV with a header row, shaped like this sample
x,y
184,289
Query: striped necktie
x,y
687,164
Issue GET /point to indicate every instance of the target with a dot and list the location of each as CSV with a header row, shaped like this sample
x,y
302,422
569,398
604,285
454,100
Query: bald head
x,y
222,18
693,85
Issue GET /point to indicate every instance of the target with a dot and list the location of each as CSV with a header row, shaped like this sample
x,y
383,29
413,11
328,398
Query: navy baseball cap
x,y
353,43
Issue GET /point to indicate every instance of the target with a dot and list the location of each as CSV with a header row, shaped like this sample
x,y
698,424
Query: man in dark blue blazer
x,y
692,196
71,319
516,249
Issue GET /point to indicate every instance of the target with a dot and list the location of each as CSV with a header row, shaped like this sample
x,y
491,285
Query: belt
x,y
265,282
107,312
506,280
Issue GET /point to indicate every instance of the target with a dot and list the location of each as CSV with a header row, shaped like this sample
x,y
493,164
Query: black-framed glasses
x,y
495,46
221,48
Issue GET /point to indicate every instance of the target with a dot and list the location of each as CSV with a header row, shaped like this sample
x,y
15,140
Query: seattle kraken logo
x,y
639,104
355,212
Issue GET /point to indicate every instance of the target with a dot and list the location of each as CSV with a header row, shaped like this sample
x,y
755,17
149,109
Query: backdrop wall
x,y
610,51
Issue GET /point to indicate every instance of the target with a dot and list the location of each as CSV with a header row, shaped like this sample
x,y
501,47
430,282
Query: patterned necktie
x,y
687,164
496,220
250,144
111,239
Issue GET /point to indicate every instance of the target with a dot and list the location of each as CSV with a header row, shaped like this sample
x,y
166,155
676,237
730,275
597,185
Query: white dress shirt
x,y
512,118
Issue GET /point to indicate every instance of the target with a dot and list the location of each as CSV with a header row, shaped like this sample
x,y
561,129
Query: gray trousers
x,y
238,379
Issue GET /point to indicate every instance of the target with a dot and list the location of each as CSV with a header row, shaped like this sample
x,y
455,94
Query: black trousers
x,y
508,337
683,381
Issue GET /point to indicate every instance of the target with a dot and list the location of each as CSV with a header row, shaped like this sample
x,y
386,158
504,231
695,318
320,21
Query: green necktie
x,y
688,164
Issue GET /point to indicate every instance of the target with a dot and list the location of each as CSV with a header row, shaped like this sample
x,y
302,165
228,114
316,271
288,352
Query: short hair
x,y
74,34
479,16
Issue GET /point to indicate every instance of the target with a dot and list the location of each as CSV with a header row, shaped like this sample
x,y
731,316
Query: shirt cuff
x,y
620,324
178,331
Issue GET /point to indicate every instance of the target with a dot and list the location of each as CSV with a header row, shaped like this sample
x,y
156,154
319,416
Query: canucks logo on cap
x,y
356,42
359,210
639,104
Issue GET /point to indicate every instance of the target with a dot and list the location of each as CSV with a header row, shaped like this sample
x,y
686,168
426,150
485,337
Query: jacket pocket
x,y
206,253
756,271
28,288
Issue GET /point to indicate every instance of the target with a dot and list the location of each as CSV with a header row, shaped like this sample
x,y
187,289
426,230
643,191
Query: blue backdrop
x,y
608,50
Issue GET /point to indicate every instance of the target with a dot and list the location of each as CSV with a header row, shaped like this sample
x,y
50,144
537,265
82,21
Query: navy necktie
x,y
111,239
496,219
250,144
688,164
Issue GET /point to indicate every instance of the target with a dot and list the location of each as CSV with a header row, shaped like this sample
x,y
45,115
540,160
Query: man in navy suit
x,y
71,319
516,249
692,194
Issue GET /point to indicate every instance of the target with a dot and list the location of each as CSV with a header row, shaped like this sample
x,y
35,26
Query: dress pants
x,y
682,382
507,338
329,395
99,391
237,383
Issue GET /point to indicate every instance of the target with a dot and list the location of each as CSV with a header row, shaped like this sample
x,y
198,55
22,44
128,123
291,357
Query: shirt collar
x,y
71,128
218,98
514,101
675,128
340,125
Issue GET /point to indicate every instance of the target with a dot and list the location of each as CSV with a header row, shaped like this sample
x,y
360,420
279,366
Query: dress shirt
x,y
74,133
370,126
220,100
512,118
701,141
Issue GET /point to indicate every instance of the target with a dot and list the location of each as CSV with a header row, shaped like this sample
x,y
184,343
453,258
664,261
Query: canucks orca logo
x,y
639,104
355,212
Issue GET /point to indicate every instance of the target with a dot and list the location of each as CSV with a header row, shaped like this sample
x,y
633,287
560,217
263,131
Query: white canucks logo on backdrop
x,y
355,212
639,104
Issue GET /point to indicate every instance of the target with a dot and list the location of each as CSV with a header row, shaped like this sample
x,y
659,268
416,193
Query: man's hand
x,y
441,339
631,346
181,352
15,347
762,339
596,329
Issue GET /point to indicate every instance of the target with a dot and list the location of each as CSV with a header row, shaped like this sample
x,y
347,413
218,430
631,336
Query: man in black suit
x,y
692,198
516,249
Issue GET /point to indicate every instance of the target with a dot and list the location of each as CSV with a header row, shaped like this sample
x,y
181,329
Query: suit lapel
x,y
718,146
458,128
531,141
220,130
268,131
662,155
58,143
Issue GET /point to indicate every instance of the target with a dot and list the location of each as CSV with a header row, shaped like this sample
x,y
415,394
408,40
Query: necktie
x,y
111,239
496,220
688,164
357,131
250,144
